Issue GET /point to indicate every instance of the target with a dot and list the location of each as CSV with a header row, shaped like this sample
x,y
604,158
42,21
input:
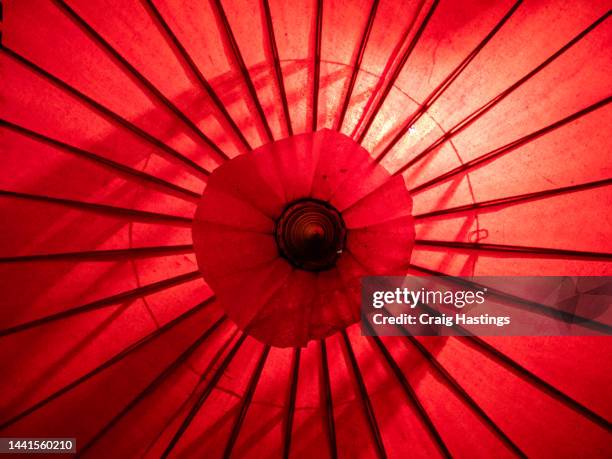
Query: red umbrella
x,y
192,190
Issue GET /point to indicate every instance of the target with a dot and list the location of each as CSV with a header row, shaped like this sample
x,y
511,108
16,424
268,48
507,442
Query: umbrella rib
x,y
390,83
533,306
108,363
184,54
504,248
144,81
317,64
454,384
494,154
531,377
396,72
291,404
104,302
447,82
210,366
388,66
173,366
243,68
467,121
357,65
365,399
95,158
329,404
465,396
112,254
107,112
102,208
277,65
246,402
178,408
517,199
528,375
412,396
203,397
543,385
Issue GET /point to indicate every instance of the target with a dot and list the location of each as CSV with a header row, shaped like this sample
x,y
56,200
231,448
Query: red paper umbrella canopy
x,y
315,142
284,234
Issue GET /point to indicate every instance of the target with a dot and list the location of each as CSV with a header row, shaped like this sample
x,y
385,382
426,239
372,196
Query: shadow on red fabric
x,y
192,190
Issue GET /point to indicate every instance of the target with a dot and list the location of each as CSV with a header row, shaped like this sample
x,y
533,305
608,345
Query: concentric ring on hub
x,y
310,234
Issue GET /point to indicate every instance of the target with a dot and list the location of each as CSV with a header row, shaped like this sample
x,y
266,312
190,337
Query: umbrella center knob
x,y
310,234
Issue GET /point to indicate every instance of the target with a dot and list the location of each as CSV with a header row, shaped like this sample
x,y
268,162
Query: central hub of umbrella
x,y
284,234
310,234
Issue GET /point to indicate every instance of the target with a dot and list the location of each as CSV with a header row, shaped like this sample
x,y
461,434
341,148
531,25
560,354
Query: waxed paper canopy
x,y
191,190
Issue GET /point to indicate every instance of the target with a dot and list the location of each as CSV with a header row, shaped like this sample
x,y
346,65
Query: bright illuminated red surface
x,y
113,115
270,294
